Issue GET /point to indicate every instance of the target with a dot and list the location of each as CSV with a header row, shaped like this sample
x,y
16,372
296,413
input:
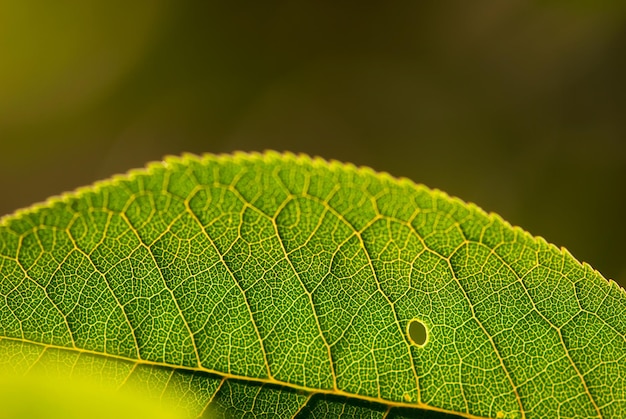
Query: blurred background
x,y
517,106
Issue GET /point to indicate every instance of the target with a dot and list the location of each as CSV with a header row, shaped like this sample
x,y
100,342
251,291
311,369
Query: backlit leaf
x,y
283,286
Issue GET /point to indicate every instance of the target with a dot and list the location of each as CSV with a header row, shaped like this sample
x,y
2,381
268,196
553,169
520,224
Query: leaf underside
x,y
283,286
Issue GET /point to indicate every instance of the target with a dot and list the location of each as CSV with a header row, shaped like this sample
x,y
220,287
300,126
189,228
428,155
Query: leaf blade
x,y
300,273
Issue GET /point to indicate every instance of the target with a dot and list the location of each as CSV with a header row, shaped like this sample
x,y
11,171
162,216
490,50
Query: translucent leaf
x,y
283,286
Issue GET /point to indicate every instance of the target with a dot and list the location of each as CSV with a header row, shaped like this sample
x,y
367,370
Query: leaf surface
x,y
284,286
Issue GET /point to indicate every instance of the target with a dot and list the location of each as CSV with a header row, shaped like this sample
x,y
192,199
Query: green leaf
x,y
283,286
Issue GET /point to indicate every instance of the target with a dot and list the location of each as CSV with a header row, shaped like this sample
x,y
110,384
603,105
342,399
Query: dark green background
x,y
517,106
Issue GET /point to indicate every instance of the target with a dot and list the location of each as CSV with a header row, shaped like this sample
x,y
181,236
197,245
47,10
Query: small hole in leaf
x,y
418,334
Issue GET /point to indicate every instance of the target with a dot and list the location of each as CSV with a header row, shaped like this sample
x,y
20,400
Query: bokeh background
x,y
517,106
